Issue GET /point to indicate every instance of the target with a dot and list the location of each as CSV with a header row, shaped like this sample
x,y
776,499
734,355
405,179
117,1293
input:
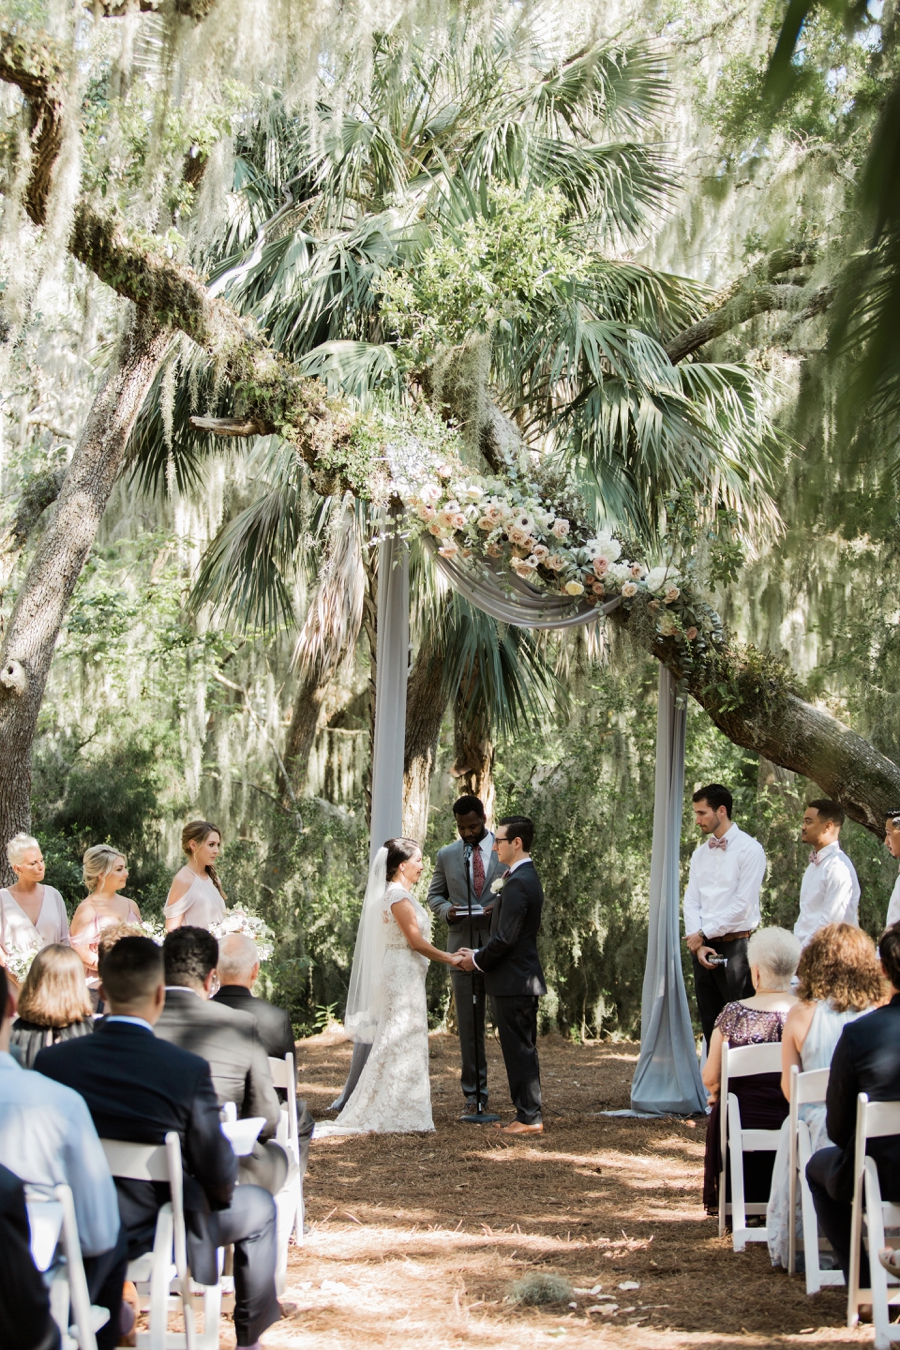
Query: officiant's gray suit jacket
x,y
449,887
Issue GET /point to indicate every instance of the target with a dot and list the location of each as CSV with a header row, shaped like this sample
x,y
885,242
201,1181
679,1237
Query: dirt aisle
x,y
415,1240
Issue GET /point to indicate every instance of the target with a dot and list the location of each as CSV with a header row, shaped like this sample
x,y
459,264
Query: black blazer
x,y
510,958
230,1044
137,1088
25,1320
866,1059
273,1024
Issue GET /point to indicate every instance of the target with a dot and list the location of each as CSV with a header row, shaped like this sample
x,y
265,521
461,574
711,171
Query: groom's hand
x,y
467,962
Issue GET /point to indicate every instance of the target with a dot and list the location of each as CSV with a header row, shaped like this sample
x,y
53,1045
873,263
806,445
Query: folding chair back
x,y
742,1061
806,1088
156,1271
874,1120
290,1200
53,1223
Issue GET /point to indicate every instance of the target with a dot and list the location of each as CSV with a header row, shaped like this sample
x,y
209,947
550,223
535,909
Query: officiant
x,y
468,867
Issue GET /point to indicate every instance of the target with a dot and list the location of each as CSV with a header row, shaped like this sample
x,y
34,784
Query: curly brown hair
x,y
839,963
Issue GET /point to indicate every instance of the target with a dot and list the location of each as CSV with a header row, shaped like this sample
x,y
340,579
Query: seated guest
x,y
25,1318
227,1040
238,970
47,1139
105,943
137,1088
840,979
53,1005
772,954
866,1059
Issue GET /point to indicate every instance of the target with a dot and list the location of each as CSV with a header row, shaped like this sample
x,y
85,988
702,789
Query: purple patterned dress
x,y
763,1105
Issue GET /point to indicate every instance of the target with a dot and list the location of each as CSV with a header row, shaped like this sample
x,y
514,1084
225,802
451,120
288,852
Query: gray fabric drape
x,y
510,599
667,1079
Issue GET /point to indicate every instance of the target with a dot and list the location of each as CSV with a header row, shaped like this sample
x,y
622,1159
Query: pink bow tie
x,y
717,843
814,858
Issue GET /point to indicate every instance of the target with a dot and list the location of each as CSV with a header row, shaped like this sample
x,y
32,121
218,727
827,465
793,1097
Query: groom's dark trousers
x,y
514,981
866,1059
137,1088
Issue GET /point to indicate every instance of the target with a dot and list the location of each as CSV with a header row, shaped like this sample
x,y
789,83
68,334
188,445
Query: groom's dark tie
x,y
477,873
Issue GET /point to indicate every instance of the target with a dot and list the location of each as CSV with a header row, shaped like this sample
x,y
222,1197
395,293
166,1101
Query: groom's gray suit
x,y
449,889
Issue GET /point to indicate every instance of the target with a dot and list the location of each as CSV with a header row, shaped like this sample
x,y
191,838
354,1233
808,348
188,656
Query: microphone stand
x,y
479,1116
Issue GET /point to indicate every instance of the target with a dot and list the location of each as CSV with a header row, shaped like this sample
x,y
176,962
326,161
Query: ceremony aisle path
x,y
415,1240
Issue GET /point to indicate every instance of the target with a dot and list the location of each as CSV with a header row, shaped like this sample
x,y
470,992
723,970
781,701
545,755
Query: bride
x,y
386,1001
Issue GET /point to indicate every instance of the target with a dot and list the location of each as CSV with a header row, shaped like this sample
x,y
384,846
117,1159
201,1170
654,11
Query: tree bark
x,y
41,606
426,704
473,747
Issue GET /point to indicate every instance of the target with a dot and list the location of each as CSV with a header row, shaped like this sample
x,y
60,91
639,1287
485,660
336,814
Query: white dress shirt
x,y
722,893
893,914
829,892
47,1137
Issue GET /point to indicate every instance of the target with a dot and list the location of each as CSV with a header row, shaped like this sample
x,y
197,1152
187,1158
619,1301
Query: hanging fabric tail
x,y
667,1079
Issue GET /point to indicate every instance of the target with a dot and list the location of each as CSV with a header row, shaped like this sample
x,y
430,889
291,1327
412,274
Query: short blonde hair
x,y
18,846
97,863
54,993
777,952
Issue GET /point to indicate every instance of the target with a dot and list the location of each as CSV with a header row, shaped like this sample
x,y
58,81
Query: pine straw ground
x,y
414,1240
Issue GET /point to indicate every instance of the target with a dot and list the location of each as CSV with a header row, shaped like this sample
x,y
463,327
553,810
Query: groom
x,y
512,970
468,866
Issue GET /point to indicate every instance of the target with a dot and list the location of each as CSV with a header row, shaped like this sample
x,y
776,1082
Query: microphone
x,y
469,850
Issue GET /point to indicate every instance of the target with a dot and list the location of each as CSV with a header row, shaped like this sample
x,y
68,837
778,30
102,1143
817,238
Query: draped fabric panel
x,y
667,1078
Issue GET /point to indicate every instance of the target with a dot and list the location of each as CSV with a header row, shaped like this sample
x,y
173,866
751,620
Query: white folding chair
x,y
162,1276
284,1075
806,1088
874,1120
735,1141
51,1217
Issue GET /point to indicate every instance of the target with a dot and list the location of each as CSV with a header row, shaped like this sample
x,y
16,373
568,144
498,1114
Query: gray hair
x,y
18,846
237,957
776,951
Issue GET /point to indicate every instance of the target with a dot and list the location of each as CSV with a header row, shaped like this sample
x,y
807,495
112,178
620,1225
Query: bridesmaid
x,y
196,897
32,915
105,871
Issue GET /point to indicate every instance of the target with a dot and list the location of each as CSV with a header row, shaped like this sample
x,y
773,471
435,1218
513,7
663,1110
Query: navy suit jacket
x,y
137,1088
510,958
866,1059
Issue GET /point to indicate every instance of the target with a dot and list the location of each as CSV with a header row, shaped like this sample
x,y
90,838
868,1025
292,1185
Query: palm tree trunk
x,y
473,748
426,704
35,623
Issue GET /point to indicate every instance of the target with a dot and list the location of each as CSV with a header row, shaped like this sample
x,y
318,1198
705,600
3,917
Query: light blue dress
x,y
816,1052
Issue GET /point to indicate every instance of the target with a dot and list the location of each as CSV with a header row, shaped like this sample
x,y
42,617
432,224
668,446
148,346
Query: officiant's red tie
x,y
477,873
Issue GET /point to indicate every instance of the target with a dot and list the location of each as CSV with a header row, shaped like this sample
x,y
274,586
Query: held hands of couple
x,y
466,961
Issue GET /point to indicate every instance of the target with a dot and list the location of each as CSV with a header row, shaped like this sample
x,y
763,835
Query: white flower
x,y
573,588
621,571
523,521
473,492
560,528
444,471
448,550
672,593
666,625
429,494
655,578
629,589
605,546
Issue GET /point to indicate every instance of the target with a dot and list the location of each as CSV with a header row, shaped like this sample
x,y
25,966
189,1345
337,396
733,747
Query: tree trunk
x,y
425,707
41,606
473,749
312,689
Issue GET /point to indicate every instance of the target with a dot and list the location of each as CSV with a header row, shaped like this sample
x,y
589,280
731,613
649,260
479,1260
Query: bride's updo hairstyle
x,y
398,851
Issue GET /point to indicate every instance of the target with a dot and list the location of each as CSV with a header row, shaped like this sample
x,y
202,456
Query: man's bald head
x,y
238,960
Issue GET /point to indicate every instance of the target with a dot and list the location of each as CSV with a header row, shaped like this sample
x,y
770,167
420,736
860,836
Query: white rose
x,y
429,494
672,593
496,886
573,588
444,471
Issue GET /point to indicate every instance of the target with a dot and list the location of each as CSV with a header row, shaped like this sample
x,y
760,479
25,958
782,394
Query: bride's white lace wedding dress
x,y
393,1095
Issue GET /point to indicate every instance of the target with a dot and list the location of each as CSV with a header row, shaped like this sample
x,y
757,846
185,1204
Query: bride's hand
x,y
456,959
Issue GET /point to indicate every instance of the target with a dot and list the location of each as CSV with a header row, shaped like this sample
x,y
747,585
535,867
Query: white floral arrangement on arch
x,y
237,920
471,517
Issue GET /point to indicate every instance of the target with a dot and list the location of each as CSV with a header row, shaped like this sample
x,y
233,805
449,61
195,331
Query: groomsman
x,y
448,896
829,892
892,844
721,904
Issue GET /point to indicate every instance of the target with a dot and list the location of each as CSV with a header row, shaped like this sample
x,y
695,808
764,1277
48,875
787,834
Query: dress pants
x,y
516,1019
723,984
833,1210
249,1223
266,1166
105,1275
470,1020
